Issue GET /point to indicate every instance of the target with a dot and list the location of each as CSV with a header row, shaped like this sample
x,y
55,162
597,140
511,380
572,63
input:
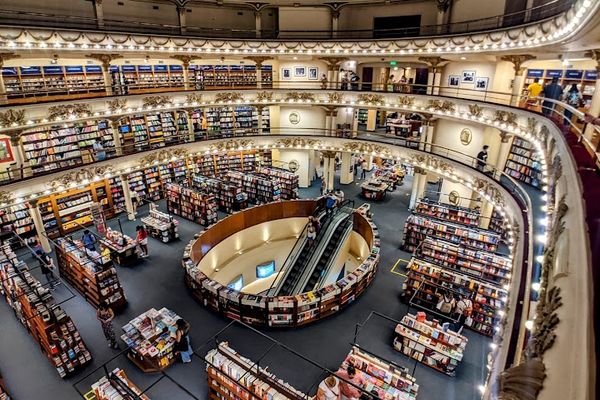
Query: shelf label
x,y
128,68
54,69
554,73
535,73
74,69
93,68
113,68
178,67
146,68
30,70
573,74
161,68
591,75
9,71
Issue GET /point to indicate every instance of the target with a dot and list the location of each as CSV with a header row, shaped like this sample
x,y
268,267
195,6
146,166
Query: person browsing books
x,y
89,240
47,267
350,391
106,315
329,389
142,239
183,346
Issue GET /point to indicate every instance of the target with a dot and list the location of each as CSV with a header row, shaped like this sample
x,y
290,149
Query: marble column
x,y
99,13
503,152
258,62
329,169
182,20
487,209
333,70
18,170
335,20
434,76
418,186
443,16
259,110
517,61
131,212
258,23
428,134
105,60
38,222
346,173
114,124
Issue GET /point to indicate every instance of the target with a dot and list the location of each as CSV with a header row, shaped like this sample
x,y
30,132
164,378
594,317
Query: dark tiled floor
x,y
158,281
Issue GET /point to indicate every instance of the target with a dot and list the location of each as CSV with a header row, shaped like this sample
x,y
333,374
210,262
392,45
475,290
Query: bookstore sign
x,y
98,217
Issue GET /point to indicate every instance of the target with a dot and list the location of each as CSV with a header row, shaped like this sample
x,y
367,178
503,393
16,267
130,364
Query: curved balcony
x,y
566,189
558,21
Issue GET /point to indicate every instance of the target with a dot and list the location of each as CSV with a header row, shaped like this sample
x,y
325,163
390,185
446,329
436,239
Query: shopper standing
x,y
324,81
183,346
390,83
533,91
347,390
446,304
47,267
330,202
105,315
464,308
551,91
142,239
574,99
89,240
311,235
363,167
482,157
99,152
329,389
135,201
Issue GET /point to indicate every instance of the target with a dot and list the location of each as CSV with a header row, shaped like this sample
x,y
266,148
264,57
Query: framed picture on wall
x,y
286,73
6,154
313,73
299,72
454,80
468,76
481,83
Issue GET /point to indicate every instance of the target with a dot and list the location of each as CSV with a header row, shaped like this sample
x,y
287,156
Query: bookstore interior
x,y
300,205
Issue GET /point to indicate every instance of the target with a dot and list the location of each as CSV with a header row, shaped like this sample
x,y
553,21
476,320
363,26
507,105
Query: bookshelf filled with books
x,y
160,225
117,385
241,160
45,320
447,212
191,204
93,275
288,181
16,219
427,282
430,343
229,197
523,163
215,77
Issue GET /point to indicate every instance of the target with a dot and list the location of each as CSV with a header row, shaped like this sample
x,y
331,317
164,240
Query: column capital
x,y
433,61
257,6
258,60
505,137
97,2
330,111
420,171
595,55
517,61
7,56
428,120
185,60
33,203
105,59
443,5
328,153
333,63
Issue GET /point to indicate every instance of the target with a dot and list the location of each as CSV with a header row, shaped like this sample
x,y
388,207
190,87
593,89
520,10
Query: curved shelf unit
x,y
277,311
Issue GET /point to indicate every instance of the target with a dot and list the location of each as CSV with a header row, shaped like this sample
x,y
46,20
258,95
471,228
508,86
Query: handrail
x,y
508,20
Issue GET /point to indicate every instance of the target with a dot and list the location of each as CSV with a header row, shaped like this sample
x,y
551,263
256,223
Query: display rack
x,y
389,380
150,339
116,192
448,212
123,249
44,319
153,183
426,282
230,198
523,163
92,275
190,204
430,343
117,386
233,376
260,188
160,225
417,228
137,184
288,181
16,219
497,224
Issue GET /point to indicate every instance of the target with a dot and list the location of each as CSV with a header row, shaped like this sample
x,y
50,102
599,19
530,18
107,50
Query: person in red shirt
x,y
348,391
142,239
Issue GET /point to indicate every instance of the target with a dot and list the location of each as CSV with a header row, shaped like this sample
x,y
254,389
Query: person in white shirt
x,y
329,389
463,310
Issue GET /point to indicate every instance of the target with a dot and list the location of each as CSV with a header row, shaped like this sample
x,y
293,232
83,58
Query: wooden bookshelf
x,y
16,219
523,163
230,198
288,181
93,276
160,225
430,343
46,322
190,204
448,212
584,79
117,385
425,282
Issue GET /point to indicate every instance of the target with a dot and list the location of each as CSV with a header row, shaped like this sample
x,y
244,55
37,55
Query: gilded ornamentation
x,y
531,125
12,117
551,147
475,110
335,97
370,98
298,142
6,197
157,101
406,101
366,148
82,175
299,96
507,117
233,144
441,105
193,98
229,97
69,111
523,381
432,163
162,156
117,104
264,96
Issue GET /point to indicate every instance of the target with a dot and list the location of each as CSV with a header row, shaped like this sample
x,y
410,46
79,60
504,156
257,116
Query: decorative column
x,y
333,70
114,124
105,59
335,19
259,110
327,126
503,152
347,172
127,197
99,13
4,57
429,123
329,169
258,61
517,62
258,23
418,186
19,155
443,15
434,77
38,222
185,63
186,113
594,110
182,19
487,209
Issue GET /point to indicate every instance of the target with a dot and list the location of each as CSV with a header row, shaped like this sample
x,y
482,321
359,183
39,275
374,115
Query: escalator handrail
x,y
295,251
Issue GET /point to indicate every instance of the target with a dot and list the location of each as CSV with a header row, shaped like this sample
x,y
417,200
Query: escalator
x,y
327,242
